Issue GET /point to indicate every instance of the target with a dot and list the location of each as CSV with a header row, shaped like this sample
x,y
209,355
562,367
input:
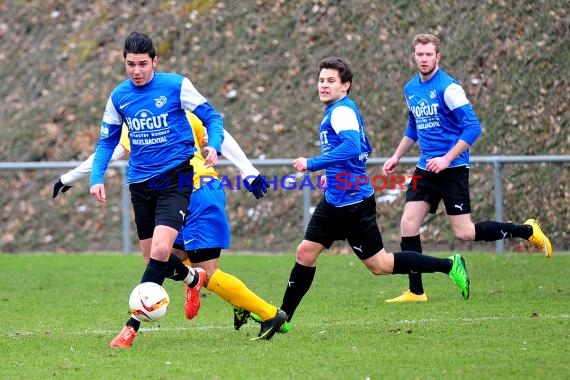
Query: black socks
x,y
493,231
155,272
300,281
176,269
411,262
414,244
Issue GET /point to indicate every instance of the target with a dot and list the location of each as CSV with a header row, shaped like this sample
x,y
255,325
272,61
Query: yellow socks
x,y
233,290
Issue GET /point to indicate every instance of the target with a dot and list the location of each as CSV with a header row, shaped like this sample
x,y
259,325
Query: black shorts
x,y
355,223
451,185
162,200
200,255
203,254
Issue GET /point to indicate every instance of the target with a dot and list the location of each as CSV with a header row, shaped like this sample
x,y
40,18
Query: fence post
x,y
499,244
125,211
306,205
497,161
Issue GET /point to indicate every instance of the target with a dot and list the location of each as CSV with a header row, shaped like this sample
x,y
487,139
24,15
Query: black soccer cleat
x,y
240,317
271,326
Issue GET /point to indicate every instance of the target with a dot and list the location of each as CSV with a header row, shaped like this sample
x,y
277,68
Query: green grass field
x,y
58,314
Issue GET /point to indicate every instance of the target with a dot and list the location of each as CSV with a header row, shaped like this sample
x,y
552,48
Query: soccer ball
x,y
148,302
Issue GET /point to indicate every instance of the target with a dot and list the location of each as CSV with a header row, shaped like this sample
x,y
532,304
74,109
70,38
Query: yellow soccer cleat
x,y
408,296
539,238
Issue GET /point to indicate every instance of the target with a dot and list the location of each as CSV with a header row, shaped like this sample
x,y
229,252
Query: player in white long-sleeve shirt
x,y
206,230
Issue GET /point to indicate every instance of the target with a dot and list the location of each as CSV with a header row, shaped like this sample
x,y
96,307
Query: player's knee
x,y
379,264
378,271
305,256
465,234
161,250
409,227
210,268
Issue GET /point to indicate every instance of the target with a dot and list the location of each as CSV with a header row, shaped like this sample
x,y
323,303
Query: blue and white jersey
x,y
344,151
159,132
439,116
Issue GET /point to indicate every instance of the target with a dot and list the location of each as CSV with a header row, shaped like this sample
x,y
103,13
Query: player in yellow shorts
x,y
206,230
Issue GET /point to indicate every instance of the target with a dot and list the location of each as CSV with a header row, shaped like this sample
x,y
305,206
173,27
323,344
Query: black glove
x,y
59,186
257,187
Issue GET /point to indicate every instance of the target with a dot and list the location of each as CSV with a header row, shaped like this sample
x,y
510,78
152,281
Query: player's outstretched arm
x,y
67,180
254,182
57,186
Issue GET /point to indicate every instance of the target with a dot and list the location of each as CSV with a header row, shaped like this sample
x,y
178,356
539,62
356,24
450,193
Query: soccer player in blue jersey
x,y
442,122
153,105
347,211
206,230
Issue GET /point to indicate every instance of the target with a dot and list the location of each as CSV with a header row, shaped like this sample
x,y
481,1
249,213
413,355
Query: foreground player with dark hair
x,y
153,105
206,230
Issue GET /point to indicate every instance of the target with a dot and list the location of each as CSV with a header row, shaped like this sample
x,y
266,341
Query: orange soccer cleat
x,y
124,339
192,305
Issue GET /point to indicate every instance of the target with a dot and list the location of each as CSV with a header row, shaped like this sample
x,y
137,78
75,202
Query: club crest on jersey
x,y
432,94
159,102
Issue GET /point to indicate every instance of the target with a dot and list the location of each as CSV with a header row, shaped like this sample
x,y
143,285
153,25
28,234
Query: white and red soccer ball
x,y
149,302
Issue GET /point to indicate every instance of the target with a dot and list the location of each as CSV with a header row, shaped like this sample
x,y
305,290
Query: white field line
x,y
310,325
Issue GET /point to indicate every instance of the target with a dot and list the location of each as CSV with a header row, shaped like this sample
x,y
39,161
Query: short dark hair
x,y
139,43
339,64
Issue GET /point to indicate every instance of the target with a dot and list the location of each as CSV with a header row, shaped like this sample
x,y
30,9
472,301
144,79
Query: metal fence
x,y
496,161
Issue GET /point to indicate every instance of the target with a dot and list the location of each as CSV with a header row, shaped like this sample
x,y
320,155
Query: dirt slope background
x,y
256,63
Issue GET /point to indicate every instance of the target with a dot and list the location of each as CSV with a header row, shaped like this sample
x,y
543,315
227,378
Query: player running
x,y
206,231
442,122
